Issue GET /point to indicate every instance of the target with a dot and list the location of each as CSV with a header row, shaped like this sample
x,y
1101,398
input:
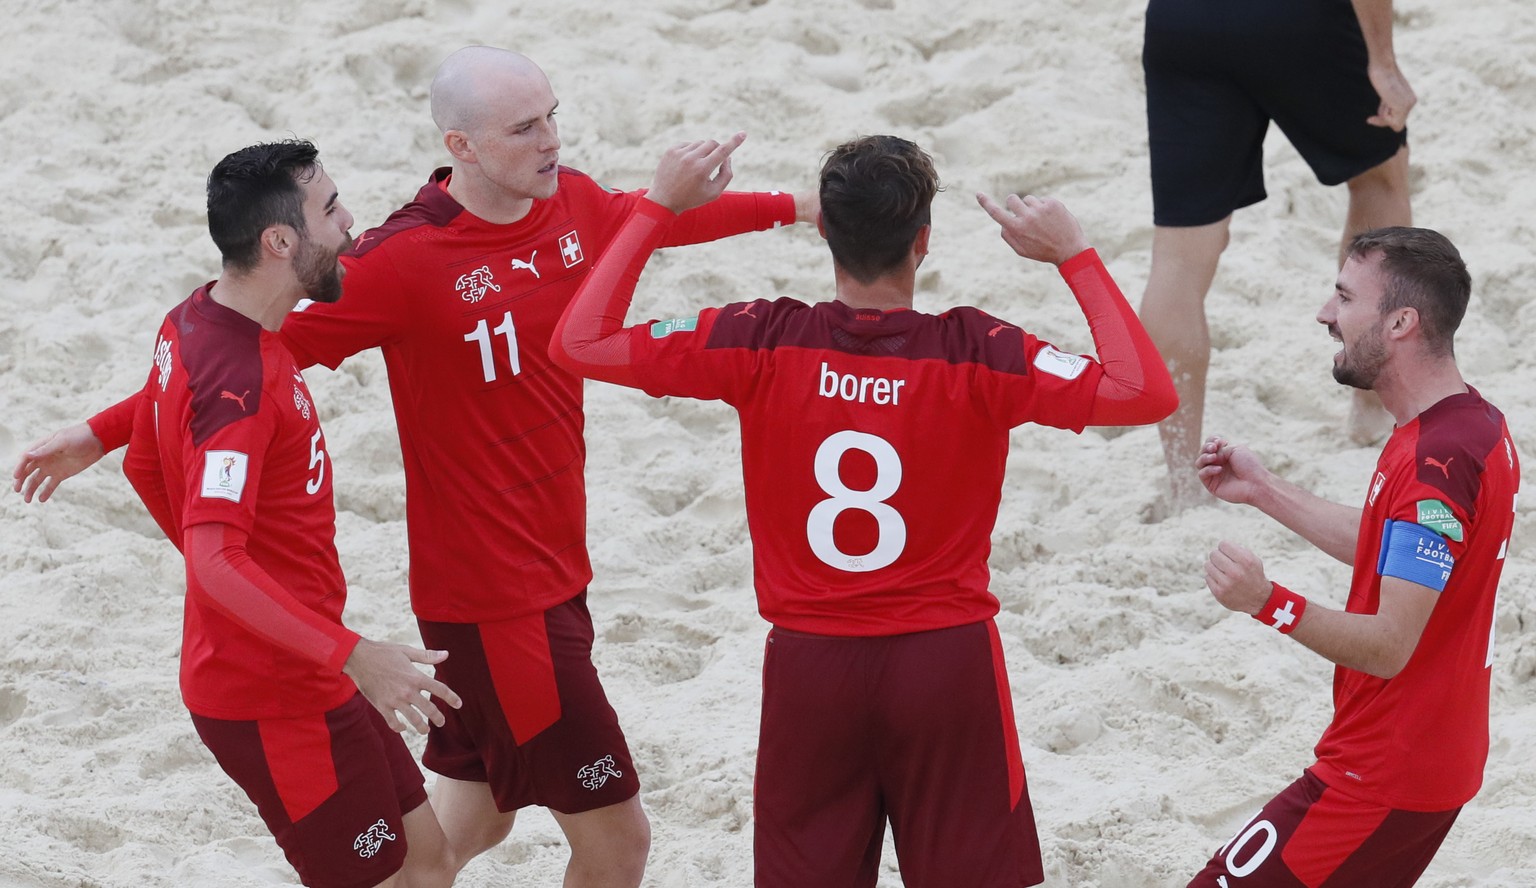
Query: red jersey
x,y
226,433
873,447
1419,741
490,429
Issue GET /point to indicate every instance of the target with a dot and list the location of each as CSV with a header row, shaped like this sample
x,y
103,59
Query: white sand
x,y
1153,721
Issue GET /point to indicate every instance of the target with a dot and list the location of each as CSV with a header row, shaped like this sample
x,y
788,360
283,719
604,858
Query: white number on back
x,y
892,537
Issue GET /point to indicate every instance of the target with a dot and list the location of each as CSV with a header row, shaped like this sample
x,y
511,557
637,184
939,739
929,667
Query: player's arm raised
x,y
591,339
1135,388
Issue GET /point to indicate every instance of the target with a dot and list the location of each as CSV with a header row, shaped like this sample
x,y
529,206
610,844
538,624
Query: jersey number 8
x,y
892,529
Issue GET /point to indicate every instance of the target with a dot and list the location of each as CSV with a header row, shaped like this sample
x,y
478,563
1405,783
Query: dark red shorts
x,y
332,788
917,729
1311,836
535,724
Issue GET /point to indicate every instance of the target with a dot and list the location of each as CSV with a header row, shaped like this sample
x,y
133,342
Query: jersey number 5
x,y
892,537
482,334
316,462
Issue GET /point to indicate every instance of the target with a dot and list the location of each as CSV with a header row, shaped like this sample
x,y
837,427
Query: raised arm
x,y
591,340
1135,388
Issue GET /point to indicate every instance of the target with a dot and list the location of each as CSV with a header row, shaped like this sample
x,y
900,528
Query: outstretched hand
x,y
386,674
49,461
1230,472
694,173
1038,228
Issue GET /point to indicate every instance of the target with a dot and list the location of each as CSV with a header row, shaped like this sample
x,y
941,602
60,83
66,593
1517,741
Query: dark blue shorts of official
x,y
1218,71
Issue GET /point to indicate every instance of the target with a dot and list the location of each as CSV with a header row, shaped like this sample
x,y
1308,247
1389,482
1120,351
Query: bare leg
x,y
429,861
608,845
1378,197
1173,311
469,818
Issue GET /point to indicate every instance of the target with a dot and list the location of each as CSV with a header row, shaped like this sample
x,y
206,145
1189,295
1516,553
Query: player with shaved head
x,y
460,289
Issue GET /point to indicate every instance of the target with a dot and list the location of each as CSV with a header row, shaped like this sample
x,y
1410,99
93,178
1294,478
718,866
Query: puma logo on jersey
x,y
593,776
520,265
370,840
999,328
745,310
1444,467
231,396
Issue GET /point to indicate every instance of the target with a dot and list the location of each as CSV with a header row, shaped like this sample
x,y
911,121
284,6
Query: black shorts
x,y
1218,71
535,725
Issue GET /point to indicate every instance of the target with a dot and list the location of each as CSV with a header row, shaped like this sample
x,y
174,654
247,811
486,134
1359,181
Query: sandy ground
x,y
1153,722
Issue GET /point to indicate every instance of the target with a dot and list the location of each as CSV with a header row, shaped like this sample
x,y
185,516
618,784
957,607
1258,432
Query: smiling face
x,y
1354,318
317,262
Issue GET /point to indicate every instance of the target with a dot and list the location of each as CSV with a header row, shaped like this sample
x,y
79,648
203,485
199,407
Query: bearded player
x,y
460,290
1413,646
228,455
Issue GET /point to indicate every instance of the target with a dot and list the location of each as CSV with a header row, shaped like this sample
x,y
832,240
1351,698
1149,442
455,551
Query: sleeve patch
x,y
663,329
224,474
1415,553
1059,363
1438,517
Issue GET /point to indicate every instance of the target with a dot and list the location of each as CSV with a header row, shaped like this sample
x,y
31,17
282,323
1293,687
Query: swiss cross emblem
x,y
570,250
1381,478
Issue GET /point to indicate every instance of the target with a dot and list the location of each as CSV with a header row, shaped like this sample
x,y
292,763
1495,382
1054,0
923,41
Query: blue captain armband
x,y
1415,553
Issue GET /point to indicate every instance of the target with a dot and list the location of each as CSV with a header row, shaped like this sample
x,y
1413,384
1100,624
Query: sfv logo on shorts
x,y
593,776
372,839
224,474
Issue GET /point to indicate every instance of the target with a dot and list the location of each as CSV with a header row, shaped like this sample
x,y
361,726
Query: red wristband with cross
x,y
1283,610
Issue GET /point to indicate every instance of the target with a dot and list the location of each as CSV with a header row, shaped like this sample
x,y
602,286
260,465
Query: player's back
x,y
873,448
